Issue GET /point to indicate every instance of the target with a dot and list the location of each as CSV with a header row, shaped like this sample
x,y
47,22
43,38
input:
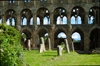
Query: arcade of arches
x,y
48,18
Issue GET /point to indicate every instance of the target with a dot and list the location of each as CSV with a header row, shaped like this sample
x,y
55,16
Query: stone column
x,y
69,40
86,17
86,43
49,43
68,18
18,22
95,15
51,18
3,18
28,21
98,16
34,19
73,46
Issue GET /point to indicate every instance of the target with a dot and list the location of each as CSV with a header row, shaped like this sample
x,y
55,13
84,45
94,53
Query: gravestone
x,y
43,43
41,48
29,43
59,50
67,46
49,44
73,46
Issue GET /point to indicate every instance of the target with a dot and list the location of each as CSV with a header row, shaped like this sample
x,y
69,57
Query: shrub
x,y
10,47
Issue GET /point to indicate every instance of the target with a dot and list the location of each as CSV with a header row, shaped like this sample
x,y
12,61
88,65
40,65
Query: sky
x,y
75,35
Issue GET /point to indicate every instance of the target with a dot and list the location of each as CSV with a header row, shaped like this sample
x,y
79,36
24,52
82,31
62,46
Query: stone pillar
x,y
73,46
95,15
29,44
86,43
67,46
69,40
52,36
28,21
51,18
18,22
49,43
86,17
98,16
3,18
68,18
34,19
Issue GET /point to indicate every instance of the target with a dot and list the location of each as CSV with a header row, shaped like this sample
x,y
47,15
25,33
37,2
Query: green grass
x,y
50,58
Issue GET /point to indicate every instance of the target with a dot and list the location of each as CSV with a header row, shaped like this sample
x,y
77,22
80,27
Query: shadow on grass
x,y
50,55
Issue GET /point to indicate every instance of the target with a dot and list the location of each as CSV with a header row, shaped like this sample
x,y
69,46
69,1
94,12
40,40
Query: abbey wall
x,y
28,17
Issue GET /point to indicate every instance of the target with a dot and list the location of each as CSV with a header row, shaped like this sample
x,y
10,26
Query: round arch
x,y
79,45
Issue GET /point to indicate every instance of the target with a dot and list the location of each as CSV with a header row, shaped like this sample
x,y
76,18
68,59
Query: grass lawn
x,y
50,58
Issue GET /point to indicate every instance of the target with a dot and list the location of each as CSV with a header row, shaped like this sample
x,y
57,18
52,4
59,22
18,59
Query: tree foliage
x,y
10,47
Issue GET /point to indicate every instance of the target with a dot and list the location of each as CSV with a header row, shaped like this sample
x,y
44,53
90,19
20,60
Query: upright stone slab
x,y
67,46
43,43
59,50
49,44
73,46
41,48
29,44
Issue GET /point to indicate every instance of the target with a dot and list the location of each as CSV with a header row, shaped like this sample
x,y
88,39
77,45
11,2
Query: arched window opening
x,y
72,20
13,22
94,15
76,37
11,1
8,21
62,35
46,21
38,21
60,16
78,40
24,21
90,19
59,38
28,0
25,37
0,21
31,21
64,20
95,39
43,33
79,20
78,15
24,0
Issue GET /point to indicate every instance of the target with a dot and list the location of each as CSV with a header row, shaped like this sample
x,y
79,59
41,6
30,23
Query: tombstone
x,y
67,46
29,43
59,50
41,48
49,44
73,46
43,43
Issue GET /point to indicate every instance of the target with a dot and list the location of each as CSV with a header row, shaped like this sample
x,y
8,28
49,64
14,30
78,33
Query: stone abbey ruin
x,y
28,16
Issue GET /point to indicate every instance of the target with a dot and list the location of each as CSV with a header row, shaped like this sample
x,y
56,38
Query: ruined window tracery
x,y
26,17
11,1
77,15
94,15
43,16
60,16
10,17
